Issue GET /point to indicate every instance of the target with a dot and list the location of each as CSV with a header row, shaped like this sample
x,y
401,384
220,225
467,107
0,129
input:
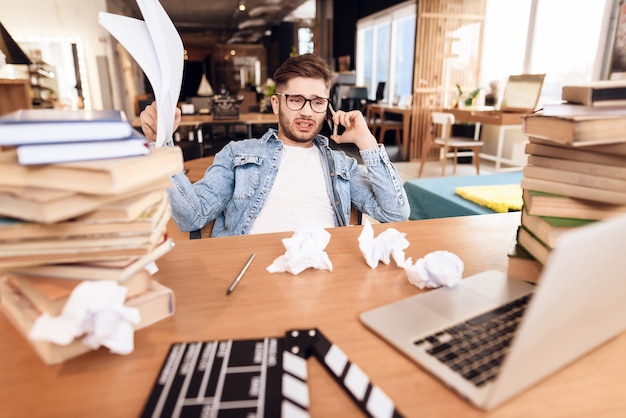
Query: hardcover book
x,y
551,204
588,169
155,305
40,126
111,176
37,204
533,245
14,229
617,149
597,93
521,265
577,125
577,178
50,294
586,154
550,228
119,270
82,151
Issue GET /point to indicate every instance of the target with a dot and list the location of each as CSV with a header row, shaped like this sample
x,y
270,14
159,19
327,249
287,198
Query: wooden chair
x,y
379,125
449,145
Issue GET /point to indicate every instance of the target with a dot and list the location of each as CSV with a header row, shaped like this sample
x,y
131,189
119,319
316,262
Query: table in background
x,y
503,120
435,197
100,384
244,118
406,123
242,127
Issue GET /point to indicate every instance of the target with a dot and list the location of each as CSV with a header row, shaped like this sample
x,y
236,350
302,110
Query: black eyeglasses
x,y
297,102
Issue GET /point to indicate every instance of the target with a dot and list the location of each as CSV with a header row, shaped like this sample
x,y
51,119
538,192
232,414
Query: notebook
x,y
577,305
521,93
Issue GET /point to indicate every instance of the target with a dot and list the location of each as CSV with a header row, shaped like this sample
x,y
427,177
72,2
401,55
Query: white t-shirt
x,y
299,194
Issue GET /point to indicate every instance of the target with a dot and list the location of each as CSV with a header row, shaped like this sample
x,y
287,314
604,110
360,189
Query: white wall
x,y
75,19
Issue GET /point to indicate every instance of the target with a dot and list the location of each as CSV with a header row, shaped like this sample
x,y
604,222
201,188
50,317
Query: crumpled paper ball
x,y
439,268
390,243
96,311
304,249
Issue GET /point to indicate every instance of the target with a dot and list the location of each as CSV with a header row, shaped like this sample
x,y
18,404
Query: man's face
x,y
299,127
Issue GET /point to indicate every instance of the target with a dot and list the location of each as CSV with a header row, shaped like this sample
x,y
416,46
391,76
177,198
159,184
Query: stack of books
x,y
95,219
576,174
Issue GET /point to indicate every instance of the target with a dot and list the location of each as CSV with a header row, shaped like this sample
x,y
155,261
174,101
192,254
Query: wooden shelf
x,y
14,95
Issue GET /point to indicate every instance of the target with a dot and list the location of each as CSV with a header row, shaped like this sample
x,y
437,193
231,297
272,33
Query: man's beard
x,y
287,130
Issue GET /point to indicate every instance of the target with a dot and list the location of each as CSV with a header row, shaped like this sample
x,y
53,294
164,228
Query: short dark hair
x,y
306,65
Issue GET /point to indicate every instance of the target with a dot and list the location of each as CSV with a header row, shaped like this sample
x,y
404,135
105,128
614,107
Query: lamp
x,y
204,89
10,48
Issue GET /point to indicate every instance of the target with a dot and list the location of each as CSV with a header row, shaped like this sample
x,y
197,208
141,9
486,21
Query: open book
x,y
156,46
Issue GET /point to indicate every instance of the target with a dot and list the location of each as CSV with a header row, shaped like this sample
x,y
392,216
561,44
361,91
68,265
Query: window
x,y
385,51
560,38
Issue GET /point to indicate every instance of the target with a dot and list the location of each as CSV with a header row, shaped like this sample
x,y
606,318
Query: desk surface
x,y
436,197
102,384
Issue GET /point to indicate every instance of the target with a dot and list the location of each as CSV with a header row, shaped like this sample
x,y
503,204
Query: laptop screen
x,y
521,93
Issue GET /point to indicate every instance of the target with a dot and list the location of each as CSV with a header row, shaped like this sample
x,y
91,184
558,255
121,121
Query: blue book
x,y
63,152
39,126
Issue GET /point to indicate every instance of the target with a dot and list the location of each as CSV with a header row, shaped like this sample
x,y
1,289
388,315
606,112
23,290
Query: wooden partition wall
x,y
448,49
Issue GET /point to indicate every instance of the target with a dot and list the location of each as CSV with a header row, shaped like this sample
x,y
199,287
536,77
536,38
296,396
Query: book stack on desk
x,y
576,174
62,223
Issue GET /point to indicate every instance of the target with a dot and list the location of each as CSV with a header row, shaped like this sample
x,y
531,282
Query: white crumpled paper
x,y
305,249
96,311
388,244
439,268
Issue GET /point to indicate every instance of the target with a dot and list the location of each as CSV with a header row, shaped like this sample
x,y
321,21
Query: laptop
x,y
577,305
521,93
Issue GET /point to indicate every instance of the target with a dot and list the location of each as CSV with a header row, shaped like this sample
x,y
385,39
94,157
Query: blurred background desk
x,y
208,135
503,121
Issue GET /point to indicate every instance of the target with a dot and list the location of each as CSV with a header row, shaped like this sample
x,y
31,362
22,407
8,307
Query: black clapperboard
x,y
263,377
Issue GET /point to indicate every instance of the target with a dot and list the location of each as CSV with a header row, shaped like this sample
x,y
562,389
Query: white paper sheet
x,y
156,46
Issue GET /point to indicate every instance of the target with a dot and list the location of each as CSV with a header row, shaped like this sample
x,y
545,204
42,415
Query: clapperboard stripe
x,y
371,399
294,386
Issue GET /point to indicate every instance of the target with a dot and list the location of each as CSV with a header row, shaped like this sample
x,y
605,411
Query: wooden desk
x,y
100,384
406,123
503,120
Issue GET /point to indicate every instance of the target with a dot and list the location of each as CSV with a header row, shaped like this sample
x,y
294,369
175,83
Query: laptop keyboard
x,y
475,348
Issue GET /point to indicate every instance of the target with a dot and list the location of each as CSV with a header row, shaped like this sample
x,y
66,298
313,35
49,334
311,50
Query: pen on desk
x,y
240,275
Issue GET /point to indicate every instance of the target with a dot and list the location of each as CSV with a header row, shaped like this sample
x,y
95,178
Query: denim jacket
x,y
237,184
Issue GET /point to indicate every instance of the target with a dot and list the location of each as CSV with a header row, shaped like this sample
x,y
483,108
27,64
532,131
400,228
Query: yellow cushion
x,y
499,198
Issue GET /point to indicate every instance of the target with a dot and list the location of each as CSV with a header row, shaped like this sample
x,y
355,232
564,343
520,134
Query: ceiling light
x,y
264,10
252,23
242,6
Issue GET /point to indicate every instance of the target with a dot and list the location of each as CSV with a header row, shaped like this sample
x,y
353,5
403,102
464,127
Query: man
x,y
290,176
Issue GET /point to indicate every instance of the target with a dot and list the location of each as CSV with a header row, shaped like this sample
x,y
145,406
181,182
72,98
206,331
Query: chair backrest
x,y
380,91
445,120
